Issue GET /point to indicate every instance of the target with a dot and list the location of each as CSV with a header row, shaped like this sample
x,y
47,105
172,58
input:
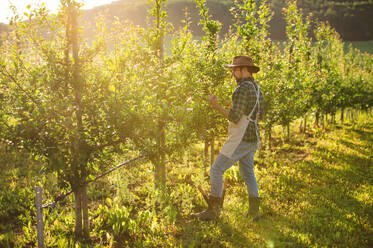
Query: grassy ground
x,y
316,188
317,192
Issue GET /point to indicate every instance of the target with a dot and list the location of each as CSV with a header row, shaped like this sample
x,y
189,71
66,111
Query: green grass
x,y
316,188
314,195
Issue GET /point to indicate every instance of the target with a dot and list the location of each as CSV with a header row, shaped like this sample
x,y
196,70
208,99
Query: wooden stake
x,y
205,196
212,152
39,217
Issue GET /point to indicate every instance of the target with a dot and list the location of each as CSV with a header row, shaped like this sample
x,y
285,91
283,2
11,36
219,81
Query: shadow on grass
x,y
318,204
357,169
315,202
215,233
272,230
335,216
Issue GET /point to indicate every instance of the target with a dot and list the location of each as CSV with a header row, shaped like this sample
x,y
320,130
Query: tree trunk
x,y
160,167
85,213
159,175
159,48
81,195
67,50
342,115
352,116
212,151
288,131
317,118
78,214
205,156
267,137
76,72
305,124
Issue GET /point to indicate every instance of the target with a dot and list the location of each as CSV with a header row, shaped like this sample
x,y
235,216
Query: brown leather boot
x,y
254,203
213,210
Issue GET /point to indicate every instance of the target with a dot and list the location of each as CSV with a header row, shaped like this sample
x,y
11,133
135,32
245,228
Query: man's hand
x,y
213,100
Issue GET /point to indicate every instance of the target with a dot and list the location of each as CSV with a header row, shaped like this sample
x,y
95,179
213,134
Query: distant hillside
x,y
352,19
136,11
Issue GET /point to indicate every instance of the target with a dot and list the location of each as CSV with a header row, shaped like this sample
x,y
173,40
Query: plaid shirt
x,y
243,101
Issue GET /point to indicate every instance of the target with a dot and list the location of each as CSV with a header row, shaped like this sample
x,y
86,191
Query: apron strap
x,y
257,103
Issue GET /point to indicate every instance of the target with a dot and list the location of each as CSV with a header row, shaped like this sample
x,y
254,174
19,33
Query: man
x,y
243,138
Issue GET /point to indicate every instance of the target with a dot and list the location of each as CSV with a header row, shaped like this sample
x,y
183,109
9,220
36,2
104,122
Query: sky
x,y
51,5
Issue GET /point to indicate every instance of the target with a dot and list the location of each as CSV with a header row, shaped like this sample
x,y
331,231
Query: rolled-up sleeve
x,y
239,104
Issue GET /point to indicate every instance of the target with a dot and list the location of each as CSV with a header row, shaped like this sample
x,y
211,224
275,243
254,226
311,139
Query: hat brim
x,y
251,68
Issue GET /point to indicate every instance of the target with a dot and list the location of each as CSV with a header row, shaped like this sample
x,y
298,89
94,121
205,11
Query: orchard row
x,y
74,105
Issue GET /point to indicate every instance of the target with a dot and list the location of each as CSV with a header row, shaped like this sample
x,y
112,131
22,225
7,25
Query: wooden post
x,y
39,217
288,131
85,213
78,213
212,152
206,154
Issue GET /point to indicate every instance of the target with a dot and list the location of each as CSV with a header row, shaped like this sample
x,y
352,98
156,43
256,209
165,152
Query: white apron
x,y
237,131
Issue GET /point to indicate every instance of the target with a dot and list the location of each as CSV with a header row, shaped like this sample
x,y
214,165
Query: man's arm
x,y
215,104
240,100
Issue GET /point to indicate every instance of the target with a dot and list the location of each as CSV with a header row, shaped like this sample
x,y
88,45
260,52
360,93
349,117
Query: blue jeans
x,y
243,153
